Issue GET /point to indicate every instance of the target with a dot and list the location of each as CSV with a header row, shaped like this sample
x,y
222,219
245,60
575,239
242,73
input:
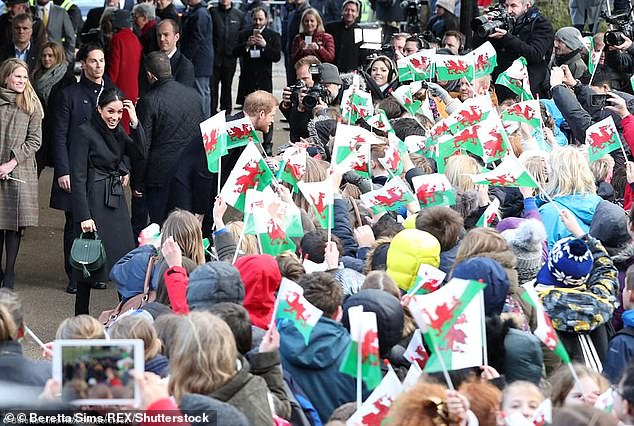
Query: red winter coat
x,y
325,53
124,63
261,277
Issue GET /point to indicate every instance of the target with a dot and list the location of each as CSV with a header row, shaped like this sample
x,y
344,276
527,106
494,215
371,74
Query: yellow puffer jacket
x,y
408,250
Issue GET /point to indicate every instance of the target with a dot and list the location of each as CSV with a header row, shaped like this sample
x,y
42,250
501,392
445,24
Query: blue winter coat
x,y
581,206
316,367
620,350
197,39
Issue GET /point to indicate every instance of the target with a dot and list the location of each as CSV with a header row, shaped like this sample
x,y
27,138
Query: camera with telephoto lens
x,y
317,92
496,17
622,27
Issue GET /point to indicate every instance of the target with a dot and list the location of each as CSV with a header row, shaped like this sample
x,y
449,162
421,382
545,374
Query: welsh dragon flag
x,y
361,161
394,195
240,132
490,213
509,173
416,67
434,190
356,104
214,133
428,280
524,112
447,147
450,319
544,331
293,166
249,172
380,121
415,352
320,196
484,60
393,158
471,112
404,95
415,144
275,223
516,79
347,138
492,136
291,305
467,140
375,408
452,67
602,138
363,348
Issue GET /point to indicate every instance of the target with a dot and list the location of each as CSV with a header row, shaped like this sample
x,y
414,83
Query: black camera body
x,y
295,91
496,17
623,27
315,93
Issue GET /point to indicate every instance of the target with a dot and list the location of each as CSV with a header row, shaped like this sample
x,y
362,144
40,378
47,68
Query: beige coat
x,y
20,138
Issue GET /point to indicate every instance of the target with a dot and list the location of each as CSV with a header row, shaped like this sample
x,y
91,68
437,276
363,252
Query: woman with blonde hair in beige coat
x,y
20,138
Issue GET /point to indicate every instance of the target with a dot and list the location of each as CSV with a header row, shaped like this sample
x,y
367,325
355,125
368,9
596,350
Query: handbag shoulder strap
x,y
148,275
355,207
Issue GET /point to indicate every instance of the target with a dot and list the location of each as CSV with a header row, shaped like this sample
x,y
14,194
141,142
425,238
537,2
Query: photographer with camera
x,y
619,54
318,86
517,28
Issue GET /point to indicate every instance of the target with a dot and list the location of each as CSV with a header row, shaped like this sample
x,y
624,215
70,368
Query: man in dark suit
x,y
15,8
58,26
22,46
168,34
347,57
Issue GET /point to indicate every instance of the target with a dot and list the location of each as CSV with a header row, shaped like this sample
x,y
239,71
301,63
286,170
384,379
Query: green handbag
x,y
87,254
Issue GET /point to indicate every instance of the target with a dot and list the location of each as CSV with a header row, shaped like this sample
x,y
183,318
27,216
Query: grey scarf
x,y
45,80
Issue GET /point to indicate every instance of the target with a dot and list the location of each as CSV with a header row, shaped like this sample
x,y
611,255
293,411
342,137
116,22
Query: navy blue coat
x,y
74,106
197,39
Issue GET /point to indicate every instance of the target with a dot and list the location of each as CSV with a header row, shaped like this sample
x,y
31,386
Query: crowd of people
x,y
544,207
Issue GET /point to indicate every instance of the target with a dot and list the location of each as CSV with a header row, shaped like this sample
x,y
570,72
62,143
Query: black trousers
x,y
69,237
223,77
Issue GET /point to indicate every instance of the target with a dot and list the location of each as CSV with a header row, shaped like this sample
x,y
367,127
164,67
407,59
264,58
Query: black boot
x,y
99,285
71,288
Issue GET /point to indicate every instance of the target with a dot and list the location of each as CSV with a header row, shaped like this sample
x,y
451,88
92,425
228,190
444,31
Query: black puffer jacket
x,y
532,37
170,114
227,26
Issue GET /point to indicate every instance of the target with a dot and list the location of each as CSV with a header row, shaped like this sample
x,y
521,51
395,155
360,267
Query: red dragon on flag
x,y
248,180
456,67
237,133
494,147
503,180
471,116
394,195
527,112
481,62
295,306
382,407
598,141
426,193
443,313
210,141
469,135
370,348
319,203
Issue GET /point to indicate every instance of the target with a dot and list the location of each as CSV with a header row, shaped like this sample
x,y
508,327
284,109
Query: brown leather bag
x,y
107,318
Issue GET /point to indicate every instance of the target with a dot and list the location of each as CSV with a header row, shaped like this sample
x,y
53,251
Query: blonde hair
x,y
458,169
315,172
249,243
523,387
27,101
185,229
80,327
317,16
138,327
203,357
569,173
602,167
537,166
479,241
58,54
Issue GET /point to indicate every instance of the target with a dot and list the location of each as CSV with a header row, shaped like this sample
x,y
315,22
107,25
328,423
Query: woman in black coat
x,y
258,48
99,174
